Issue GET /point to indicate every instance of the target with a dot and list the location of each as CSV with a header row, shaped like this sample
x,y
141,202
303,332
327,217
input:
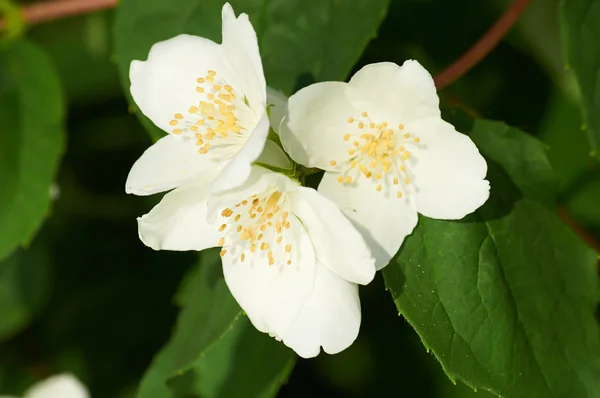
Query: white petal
x,y
59,386
165,84
259,181
330,317
317,120
238,169
383,219
166,165
179,221
240,46
396,94
448,172
273,155
272,296
337,243
277,104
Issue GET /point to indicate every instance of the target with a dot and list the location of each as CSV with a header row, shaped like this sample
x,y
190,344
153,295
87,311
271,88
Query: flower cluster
x,y
235,153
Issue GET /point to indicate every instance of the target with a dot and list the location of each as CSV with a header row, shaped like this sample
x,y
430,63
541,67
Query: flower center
x,y
259,225
214,120
378,152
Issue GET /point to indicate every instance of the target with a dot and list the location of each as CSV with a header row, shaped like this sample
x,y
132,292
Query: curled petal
x,y
238,169
396,94
449,171
63,386
383,219
165,84
179,221
338,245
272,295
330,317
316,123
166,165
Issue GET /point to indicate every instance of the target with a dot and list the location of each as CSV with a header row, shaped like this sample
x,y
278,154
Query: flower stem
x,y
483,46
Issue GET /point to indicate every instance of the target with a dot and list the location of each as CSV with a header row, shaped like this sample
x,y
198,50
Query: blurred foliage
x,y
86,296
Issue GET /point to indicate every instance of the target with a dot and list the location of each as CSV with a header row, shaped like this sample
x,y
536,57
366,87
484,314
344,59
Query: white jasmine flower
x,y
211,100
59,386
386,152
290,257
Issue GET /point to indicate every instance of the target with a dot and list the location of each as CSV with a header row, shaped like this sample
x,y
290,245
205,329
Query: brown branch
x,y
56,9
583,234
483,46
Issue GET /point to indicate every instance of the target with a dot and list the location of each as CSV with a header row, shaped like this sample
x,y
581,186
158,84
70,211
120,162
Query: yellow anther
x,y
271,259
223,252
173,122
379,188
221,242
340,179
253,248
365,114
351,152
212,73
372,125
242,257
289,262
211,96
353,164
194,128
350,119
222,227
203,151
401,126
406,135
177,131
396,181
193,109
332,162
279,239
399,194
417,140
199,89
244,202
355,143
264,246
210,79
217,87
178,116
348,180
199,141
200,122
227,212
227,87
288,248
260,236
407,181
239,228
360,125
200,80
347,137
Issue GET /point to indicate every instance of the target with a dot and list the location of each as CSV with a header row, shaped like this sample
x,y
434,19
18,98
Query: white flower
x,y
211,100
290,257
59,386
386,152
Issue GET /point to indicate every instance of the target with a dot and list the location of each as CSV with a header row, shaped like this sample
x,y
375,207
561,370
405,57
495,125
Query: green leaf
x,y
505,298
581,41
31,140
214,348
300,40
24,278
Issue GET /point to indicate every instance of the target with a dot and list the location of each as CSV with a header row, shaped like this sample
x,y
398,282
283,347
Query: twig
x,y
56,9
583,234
483,46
